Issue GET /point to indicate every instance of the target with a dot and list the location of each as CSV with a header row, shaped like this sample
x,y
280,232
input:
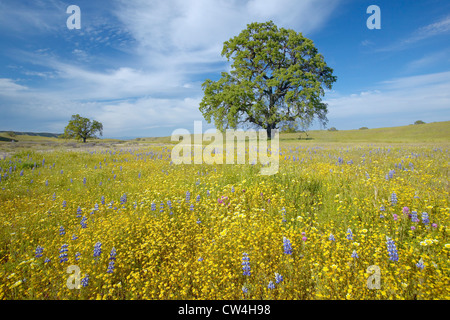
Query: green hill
x,y
428,132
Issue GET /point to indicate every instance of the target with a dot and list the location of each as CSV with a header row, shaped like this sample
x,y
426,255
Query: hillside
x,y
429,132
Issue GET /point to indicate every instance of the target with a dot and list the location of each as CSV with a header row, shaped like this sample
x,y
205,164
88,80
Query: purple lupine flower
x,y
287,246
425,218
271,285
414,216
349,234
97,249
85,280
394,199
278,277
331,238
63,253
83,222
392,249
420,264
112,260
354,254
62,231
79,212
246,264
39,251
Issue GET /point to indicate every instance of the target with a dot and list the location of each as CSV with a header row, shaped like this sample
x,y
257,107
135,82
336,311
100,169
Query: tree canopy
x,y
277,76
81,128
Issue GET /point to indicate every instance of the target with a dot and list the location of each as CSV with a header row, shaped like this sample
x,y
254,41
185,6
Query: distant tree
x,y
332,129
11,134
82,128
277,75
363,128
419,122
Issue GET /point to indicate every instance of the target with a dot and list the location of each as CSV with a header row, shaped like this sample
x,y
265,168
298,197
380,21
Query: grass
x,y
168,231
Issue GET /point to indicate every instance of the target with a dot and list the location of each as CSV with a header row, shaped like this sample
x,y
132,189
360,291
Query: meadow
x,y
139,227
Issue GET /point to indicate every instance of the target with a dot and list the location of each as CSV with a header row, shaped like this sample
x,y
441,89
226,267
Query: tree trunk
x,y
269,131
84,139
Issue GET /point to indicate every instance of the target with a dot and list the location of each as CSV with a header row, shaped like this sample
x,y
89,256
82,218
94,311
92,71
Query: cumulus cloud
x,y
410,98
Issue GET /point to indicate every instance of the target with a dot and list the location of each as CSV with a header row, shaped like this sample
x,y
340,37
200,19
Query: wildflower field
x,y
137,226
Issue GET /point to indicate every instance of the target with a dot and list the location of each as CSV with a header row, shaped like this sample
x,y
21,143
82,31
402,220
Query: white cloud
x,y
9,86
409,96
440,27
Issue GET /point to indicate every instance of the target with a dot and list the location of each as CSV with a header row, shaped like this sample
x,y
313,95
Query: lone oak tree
x,y
277,76
82,128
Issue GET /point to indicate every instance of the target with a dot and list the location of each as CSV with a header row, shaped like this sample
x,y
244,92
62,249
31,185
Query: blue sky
x,y
137,66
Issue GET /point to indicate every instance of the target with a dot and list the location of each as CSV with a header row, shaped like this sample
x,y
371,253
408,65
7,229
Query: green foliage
x,y
363,128
332,129
277,75
82,128
419,122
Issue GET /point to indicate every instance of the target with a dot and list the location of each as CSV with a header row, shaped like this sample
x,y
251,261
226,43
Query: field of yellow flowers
x,y
336,222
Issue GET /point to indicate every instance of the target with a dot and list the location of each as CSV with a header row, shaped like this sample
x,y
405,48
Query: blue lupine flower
x,y
39,251
46,183
79,211
85,280
271,285
331,238
139,175
425,218
207,193
391,173
287,246
77,256
96,207
54,197
63,253
153,208
278,277
246,264
200,259
244,289
83,222
394,199
414,217
354,254
198,198
74,237
232,189
169,204
62,231
420,264
349,234
103,200
97,249
123,199
161,207
188,196
112,259
191,207
47,260
84,181
392,249
21,173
